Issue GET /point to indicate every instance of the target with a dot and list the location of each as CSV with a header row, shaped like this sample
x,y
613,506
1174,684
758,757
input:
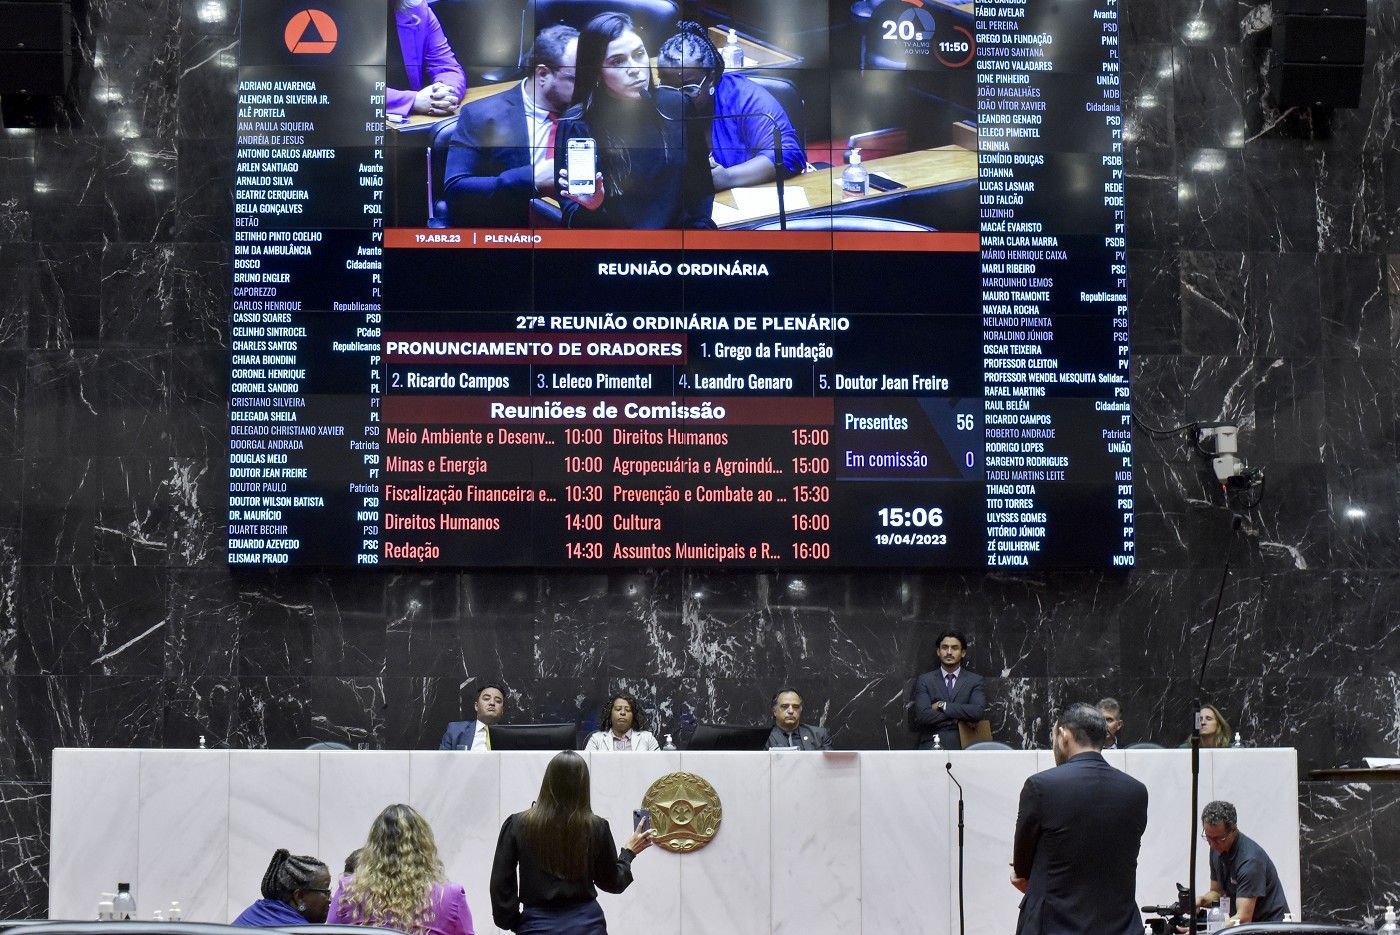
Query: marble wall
x,y
1265,288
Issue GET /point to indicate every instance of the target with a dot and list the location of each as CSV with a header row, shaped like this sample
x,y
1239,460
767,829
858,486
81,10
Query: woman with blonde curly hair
x,y
400,882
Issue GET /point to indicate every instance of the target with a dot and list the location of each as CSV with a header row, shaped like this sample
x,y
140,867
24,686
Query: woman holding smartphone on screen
x,y
650,157
550,858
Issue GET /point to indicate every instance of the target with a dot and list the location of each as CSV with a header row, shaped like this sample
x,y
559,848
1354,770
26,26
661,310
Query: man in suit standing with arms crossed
x,y
1078,833
502,154
947,695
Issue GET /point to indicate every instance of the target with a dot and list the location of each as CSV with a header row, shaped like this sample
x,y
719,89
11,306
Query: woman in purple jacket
x,y
430,82
295,890
400,882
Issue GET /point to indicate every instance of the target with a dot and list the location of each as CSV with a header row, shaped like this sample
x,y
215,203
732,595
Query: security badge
x,y
685,812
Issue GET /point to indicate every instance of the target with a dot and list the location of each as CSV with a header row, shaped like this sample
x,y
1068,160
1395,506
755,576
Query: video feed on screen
x,y
638,115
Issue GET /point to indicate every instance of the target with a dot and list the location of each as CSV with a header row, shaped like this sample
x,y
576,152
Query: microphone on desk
x,y
962,921
777,148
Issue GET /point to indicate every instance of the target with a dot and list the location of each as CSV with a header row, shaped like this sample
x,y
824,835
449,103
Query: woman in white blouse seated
x,y
623,726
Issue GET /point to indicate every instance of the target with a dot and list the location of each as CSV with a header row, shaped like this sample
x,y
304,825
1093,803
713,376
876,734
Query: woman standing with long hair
x,y
400,882
550,858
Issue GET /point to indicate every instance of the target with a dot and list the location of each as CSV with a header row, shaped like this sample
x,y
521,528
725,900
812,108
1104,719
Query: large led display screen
x,y
625,283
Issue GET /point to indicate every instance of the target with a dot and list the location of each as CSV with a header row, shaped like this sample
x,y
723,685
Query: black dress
x,y
656,169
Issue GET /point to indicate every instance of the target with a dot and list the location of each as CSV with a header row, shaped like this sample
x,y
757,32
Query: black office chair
x,y
991,745
787,95
655,20
1145,745
488,37
328,745
437,170
842,222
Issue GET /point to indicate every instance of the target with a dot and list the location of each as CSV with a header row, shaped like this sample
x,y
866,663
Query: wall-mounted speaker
x,y
1319,47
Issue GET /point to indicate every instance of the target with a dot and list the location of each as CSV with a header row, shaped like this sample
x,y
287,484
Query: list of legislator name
x,y
1058,448
307,241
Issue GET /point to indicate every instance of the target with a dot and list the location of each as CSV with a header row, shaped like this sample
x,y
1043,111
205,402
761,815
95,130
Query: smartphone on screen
x,y
641,817
582,164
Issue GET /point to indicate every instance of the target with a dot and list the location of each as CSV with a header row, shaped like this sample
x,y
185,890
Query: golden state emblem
x,y
685,812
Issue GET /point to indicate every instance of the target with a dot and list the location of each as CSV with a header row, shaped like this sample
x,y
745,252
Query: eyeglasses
x,y
312,889
1215,839
689,90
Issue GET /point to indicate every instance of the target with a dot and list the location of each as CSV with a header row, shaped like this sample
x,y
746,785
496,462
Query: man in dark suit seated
x,y
1078,833
502,154
789,733
490,706
947,695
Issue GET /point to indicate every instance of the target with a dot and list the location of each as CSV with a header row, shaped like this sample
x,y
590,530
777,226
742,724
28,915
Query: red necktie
x,y
553,119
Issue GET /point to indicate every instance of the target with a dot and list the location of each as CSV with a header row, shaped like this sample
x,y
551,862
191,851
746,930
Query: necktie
x,y
793,741
949,679
553,119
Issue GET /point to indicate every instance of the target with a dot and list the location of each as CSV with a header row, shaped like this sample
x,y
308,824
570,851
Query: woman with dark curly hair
x,y
400,882
622,726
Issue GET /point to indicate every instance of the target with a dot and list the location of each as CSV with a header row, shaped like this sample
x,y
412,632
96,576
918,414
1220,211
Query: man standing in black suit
x,y
502,154
947,695
1078,833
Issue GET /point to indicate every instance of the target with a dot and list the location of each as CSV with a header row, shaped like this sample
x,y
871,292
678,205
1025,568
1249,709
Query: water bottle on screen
x,y
855,181
1237,742
124,904
1391,927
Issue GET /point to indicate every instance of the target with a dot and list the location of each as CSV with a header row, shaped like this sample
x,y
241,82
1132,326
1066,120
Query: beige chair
x,y
971,732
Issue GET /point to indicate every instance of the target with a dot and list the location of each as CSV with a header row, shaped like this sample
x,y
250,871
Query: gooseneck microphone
x,y
962,922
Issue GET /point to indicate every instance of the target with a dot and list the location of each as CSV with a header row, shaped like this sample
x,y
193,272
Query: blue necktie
x,y
949,679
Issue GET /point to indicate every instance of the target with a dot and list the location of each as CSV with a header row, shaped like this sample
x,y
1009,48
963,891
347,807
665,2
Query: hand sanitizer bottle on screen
x,y
855,181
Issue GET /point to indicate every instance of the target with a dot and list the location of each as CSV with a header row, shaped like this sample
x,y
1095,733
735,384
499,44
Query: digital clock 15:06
x,y
919,517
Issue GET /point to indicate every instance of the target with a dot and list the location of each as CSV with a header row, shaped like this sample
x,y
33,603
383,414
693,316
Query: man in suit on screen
x,y
502,154
947,695
489,706
1078,832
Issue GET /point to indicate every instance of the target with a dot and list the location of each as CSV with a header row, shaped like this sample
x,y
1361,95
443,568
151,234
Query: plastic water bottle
x,y
670,744
733,53
175,914
124,904
1215,918
855,181
105,910
1390,926
1237,742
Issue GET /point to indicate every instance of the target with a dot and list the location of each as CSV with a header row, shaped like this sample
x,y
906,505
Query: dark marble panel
x,y
1282,184
1290,529
1355,315
208,104
24,849
1360,411
1365,625
1363,511
1207,24
136,522
349,632
135,81
198,423
69,190
17,267
201,710
65,296
60,512
209,17
204,189
283,713
1288,411
11,602
93,621
139,181
137,17
1142,22
1152,196
274,616
16,187
1154,282
1351,190
1019,709
203,630
1281,299
84,711
1215,319
1212,200
13,371
109,403
137,297
198,530
1148,101
1163,514
1337,847
1209,100
201,294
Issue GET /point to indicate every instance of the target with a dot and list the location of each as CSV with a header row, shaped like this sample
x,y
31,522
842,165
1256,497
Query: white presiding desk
x,y
810,844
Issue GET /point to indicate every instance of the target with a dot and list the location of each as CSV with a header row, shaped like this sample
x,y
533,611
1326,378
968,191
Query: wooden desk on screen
x,y
925,168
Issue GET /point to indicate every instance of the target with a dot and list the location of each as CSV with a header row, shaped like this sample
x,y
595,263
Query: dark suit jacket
x,y
969,703
812,738
489,179
1078,832
458,733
